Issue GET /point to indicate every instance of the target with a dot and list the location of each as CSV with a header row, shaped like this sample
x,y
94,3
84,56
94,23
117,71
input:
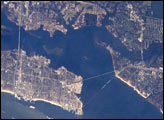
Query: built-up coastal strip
x,y
39,82
146,81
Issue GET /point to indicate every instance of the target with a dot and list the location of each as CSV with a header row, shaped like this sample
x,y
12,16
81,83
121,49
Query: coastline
x,y
51,102
111,51
35,99
161,110
117,73
8,91
128,83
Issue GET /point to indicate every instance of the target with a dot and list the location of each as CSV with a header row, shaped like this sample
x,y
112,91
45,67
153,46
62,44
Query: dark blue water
x,y
12,108
83,57
157,7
